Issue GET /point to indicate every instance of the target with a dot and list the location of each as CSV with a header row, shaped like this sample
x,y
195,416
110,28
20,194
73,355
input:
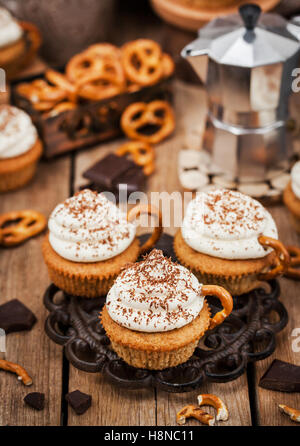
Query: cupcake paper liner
x,y
81,286
89,279
17,172
155,360
157,350
236,283
18,179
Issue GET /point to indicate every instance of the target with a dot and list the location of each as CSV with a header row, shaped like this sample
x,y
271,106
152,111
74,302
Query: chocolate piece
x,y
35,400
134,178
14,316
106,171
281,376
79,401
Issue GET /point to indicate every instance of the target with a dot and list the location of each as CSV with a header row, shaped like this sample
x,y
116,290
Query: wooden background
x,y
24,276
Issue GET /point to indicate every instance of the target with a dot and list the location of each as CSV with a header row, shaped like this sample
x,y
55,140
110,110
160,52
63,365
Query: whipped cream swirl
x,y
10,30
89,228
155,295
295,176
17,132
227,224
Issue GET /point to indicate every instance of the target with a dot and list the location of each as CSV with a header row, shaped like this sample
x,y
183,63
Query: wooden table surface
x,y
23,275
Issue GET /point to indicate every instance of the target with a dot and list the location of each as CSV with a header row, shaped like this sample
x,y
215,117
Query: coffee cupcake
x,y
230,239
20,148
89,242
291,196
156,313
12,41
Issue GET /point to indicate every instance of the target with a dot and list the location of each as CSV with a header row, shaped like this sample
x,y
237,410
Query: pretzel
x,y
217,403
282,257
149,168
104,50
28,91
141,152
44,106
132,87
81,65
168,65
142,61
99,86
226,300
192,411
18,226
108,81
292,272
139,115
294,414
40,90
61,81
61,107
152,211
18,370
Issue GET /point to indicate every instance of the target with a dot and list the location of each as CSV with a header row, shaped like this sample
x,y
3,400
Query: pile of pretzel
x,y
100,72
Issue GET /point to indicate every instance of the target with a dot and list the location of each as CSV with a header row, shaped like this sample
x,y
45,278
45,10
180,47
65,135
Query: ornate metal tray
x,y
247,335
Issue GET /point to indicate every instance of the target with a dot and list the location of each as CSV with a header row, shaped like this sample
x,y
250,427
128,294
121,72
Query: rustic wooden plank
x,y
23,275
111,405
267,400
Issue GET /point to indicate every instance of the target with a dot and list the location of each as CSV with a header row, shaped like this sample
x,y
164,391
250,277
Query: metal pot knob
x,y
250,14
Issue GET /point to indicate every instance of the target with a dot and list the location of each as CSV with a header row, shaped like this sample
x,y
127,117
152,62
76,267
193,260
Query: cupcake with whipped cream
x,y
156,313
20,148
230,239
90,240
291,196
12,41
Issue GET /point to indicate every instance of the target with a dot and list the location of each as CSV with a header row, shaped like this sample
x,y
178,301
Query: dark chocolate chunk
x,y
79,401
134,178
35,400
281,376
106,171
14,316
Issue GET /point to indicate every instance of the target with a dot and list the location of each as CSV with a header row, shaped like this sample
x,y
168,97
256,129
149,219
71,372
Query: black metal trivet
x,y
247,335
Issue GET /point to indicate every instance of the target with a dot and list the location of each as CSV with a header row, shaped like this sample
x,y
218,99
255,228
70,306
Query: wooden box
x,y
89,123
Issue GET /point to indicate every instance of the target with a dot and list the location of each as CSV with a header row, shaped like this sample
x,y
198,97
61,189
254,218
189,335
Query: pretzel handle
x,y
282,257
292,272
140,209
18,370
225,299
35,38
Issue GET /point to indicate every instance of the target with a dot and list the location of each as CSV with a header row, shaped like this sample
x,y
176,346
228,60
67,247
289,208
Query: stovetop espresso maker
x,y
249,73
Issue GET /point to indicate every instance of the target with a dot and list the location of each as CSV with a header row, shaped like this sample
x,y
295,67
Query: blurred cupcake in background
x,y
12,41
20,148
